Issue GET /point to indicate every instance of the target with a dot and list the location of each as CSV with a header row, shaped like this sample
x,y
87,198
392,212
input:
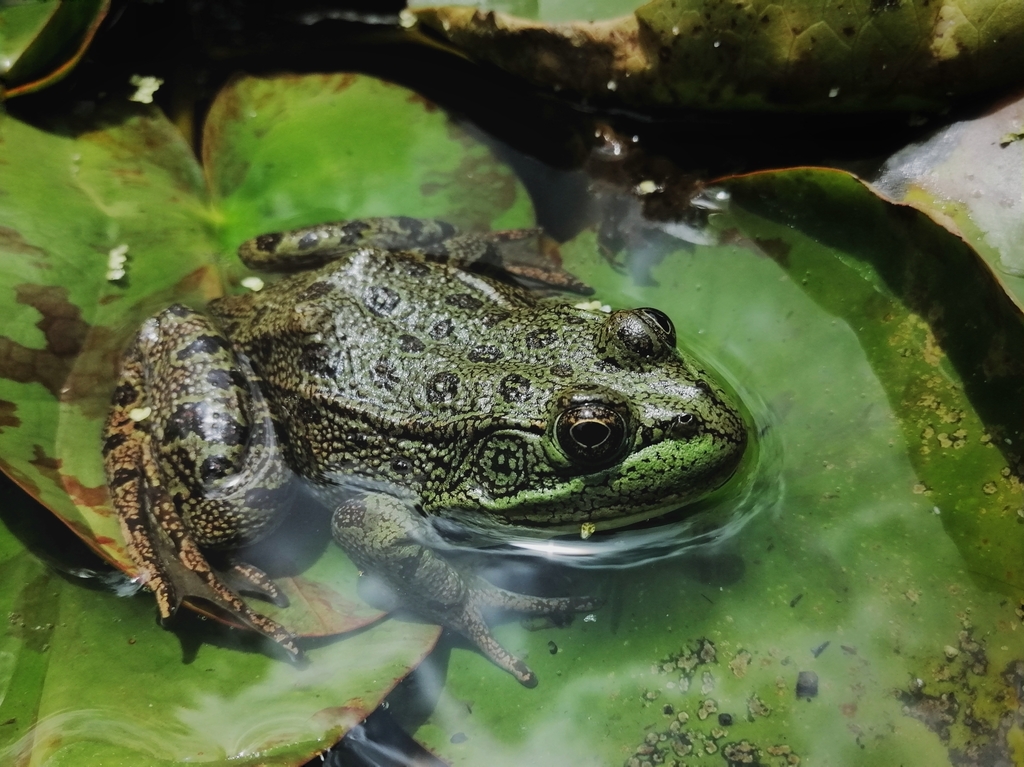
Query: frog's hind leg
x,y
386,537
170,560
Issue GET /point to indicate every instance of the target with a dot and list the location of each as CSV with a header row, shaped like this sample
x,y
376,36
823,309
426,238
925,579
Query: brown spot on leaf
x,y
64,330
95,498
7,416
48,466
11,241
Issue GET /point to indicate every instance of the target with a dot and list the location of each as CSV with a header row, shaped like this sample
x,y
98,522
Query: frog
x,y
402,371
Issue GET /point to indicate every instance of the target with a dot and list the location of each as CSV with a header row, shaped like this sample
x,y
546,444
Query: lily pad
x,y
914,55
40,42
100,226
969,176
889,361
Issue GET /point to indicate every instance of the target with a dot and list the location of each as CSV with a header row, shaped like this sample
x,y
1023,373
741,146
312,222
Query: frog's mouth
x,y
647,483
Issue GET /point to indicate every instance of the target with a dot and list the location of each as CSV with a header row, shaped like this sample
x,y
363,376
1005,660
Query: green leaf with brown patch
x,y
904,55
101,225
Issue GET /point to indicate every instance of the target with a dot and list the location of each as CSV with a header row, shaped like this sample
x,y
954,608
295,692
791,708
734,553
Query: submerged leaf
x,y
888,360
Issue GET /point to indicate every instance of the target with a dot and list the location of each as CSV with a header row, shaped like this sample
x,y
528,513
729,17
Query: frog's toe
x,y
472,625
249,579
494,597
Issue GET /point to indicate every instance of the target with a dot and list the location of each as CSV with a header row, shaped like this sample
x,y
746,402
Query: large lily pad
x,y
873,615
100,225
830,57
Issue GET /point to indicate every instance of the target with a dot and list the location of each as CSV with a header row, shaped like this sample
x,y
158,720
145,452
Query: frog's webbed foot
x,y
175,569
483,596
385,536
526,254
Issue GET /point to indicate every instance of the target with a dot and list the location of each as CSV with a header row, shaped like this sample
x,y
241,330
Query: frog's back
x,y
393,346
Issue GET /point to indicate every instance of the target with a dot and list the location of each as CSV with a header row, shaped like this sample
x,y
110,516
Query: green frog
x,y
404,370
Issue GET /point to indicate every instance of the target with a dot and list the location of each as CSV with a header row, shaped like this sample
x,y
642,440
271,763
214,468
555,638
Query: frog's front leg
x,y
192,466
524,253
385,536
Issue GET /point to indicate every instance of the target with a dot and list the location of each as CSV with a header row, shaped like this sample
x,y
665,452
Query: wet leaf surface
x,y
887,358
829,57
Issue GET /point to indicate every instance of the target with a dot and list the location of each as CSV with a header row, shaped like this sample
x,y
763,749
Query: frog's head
x,y
640,429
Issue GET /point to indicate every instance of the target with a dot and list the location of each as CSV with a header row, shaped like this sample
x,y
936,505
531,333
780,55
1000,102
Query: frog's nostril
x,y
684,425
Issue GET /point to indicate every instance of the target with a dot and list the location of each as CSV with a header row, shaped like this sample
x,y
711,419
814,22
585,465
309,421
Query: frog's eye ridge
x,y
637,336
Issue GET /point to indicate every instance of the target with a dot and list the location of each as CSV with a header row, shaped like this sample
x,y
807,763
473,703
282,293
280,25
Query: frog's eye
x,y
592,432
661,321
639,335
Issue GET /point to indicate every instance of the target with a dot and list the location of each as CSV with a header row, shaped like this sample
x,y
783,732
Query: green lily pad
x,y
40,42
100,226
915,55
873,614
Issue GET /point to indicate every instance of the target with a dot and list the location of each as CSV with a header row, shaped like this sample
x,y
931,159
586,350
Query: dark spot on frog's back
x,y
416,269
316,359
381,300
464,301
410,344
216,467
267,242
491,319
219,378
441,329
124,395
384,373
541,339
202,345
561,370
199,419
114,441
315,290
484,353
442,388
515,388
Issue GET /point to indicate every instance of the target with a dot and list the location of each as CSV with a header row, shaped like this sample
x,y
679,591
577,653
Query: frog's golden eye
x,y
592,427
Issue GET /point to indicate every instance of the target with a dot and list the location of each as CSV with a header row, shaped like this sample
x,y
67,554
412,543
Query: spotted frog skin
x,y
403,371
